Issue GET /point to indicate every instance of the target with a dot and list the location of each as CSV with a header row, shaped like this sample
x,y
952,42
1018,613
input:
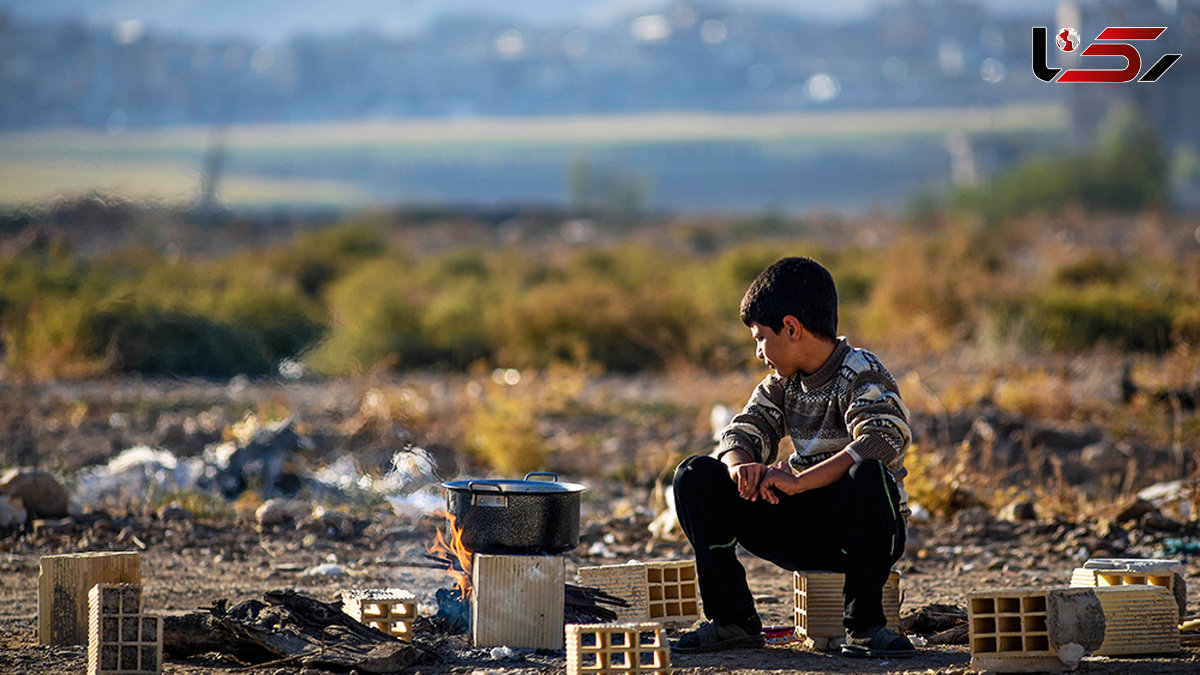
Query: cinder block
x,y
664,591
122,639
1138,619
819,606
617,649
1102,572
390,610
63,585
517,601
1033,629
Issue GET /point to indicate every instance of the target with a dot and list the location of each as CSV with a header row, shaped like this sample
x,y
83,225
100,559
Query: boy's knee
x,y
697,470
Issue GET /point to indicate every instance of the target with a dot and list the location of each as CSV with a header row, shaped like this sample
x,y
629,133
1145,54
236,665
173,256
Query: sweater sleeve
x,y
760,426
876,418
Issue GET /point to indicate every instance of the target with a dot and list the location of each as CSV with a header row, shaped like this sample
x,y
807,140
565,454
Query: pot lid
x,y
513,486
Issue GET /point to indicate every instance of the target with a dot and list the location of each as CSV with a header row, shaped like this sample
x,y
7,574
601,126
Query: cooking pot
x,y
516,516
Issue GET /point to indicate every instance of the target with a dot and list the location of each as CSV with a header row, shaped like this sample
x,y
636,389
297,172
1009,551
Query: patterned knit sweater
x,y
851,402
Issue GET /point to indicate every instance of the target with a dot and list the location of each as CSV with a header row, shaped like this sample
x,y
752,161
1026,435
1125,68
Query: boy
x,y
835,504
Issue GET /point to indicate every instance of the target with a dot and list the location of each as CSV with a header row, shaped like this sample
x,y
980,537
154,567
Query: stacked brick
x,y
1114,607
122,639
1033,629
389,610
1144,600
1102,572
617,649
662,591
1139,619
819,607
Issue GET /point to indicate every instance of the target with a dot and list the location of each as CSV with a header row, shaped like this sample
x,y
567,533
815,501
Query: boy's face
x,y
777,350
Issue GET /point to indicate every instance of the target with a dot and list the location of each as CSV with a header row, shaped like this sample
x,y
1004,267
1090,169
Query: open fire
x,y
450,549
453,615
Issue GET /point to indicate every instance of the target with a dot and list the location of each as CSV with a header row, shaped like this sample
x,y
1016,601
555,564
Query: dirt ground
x,y
189,562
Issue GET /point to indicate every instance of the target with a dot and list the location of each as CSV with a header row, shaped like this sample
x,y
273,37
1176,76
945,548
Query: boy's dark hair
x,y
800,287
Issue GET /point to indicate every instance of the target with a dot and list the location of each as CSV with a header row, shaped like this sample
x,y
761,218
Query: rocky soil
x,y
619,442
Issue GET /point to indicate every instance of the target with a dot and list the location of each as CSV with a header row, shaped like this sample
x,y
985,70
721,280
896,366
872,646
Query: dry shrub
x,y
376,318
501,427
51,341
946,481
588,321
932,291
1033,393
502,432
933,480
1075,319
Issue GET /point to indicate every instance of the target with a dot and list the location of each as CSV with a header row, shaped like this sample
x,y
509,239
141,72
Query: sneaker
x,y
712,637
878,642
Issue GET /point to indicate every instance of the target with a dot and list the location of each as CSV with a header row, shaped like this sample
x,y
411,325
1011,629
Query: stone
x,y
1105,458
40,493
174,511
964,498
12,512
275,513
1071,654
975,515
1157,522
1019,510
1135,510
328,524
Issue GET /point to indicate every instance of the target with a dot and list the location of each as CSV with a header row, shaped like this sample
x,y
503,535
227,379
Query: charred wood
x,y
288,625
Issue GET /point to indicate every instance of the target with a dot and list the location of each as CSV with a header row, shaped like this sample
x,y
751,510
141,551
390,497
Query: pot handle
x,y
553,476
474,487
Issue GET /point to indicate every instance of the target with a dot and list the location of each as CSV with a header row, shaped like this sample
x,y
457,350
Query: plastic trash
x,y
262,458
326,570
718,418
412,468
417,504
502,653
139,471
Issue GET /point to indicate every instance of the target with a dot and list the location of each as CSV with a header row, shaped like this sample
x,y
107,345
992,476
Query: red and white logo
x,y
1112,41
1067,39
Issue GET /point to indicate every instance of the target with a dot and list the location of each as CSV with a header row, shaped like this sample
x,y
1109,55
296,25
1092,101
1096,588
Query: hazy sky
x,y
274,20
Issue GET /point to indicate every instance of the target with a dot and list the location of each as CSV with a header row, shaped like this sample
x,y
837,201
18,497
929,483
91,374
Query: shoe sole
x,y
732,643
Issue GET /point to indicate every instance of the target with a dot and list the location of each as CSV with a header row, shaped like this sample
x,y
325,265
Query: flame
x,y
455,550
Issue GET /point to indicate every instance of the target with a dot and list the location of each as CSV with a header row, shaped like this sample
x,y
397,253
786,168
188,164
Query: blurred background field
x,y
494,201
679,161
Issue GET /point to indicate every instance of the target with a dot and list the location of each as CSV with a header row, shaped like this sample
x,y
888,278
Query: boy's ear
x,y
792,327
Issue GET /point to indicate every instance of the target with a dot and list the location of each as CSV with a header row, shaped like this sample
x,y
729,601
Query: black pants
x,y
852,526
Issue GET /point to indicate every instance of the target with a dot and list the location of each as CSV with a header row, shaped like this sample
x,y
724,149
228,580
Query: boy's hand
x,y
776,479
747,477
